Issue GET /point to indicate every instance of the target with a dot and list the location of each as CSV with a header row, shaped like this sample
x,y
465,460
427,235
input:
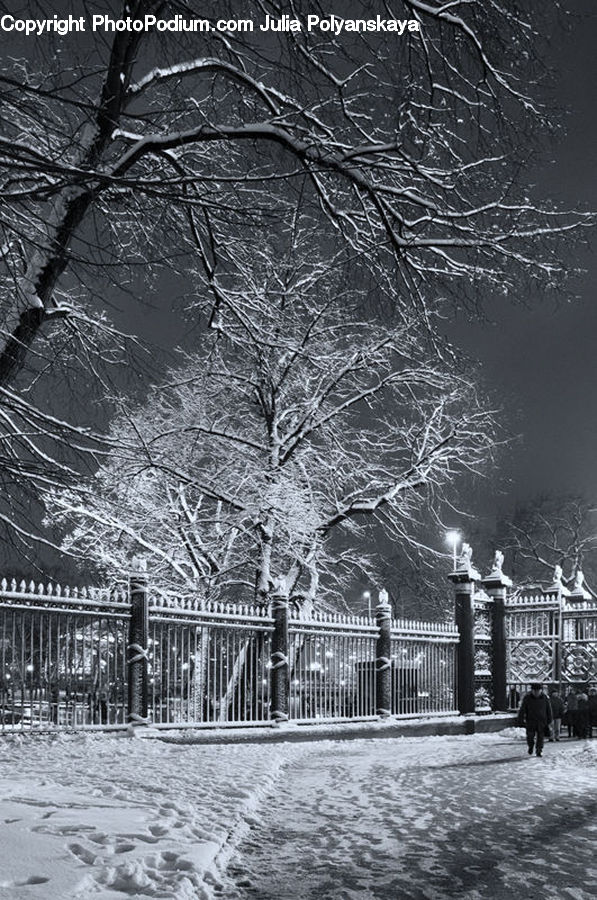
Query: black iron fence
x,y
62,657
552,639
94,659
208,666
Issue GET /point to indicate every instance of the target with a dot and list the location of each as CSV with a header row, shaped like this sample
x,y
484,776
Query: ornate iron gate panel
x,y
208,666
550,640
482,633
579,643
532,641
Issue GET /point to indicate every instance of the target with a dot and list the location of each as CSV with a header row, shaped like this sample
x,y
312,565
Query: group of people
x,y
543,716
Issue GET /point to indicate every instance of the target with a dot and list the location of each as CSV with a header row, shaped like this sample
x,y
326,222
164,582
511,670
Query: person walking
x,y
571,712
102,706
582,716
535,715
592,711
557,711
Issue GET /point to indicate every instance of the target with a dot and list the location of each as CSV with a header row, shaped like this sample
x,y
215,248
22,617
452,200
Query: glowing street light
x,y
453,539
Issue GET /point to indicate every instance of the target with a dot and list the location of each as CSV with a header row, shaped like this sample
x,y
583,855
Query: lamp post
x,y
453,539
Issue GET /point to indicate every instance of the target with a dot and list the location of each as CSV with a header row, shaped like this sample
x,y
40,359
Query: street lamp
x,y
453,539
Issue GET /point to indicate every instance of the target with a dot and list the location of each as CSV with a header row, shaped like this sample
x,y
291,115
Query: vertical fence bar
x,y
137,646
559,639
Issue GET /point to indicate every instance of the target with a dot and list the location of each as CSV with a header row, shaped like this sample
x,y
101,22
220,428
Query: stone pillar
x,y
137,644
279,685
496,585
463,578
465,658
383,657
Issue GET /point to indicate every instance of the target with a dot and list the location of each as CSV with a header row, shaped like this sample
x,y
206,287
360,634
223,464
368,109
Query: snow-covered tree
x,y
116,164
548,531
394,140
273,450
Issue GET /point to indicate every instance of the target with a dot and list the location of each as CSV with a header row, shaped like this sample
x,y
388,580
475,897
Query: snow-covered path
x,y
444,817
87,817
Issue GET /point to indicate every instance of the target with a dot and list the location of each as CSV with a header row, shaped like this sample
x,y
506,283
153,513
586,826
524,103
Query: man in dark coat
x,y
535,714
582,716
592,711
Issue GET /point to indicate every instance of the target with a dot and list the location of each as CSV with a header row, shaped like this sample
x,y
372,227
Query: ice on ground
x,y
93,816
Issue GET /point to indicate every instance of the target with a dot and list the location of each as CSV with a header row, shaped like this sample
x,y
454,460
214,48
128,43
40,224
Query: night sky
x,y
540,363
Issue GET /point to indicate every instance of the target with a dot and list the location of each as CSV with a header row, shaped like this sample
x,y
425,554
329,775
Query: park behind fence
x,y
73,659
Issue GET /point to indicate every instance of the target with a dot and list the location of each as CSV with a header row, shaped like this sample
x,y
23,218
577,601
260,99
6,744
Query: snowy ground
x,y
470,817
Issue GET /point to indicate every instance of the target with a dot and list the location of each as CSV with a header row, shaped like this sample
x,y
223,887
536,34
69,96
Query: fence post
x,y
383,657
463,578
496,584
137,645
279,655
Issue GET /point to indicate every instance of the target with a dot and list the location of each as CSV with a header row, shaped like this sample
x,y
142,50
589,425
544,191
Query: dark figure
x,y
91,706
557,711
54,703
535,715
592,711
571,712
102,707
582,716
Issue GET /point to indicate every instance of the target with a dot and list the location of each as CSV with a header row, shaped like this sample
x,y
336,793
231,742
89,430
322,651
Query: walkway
x,y
412,819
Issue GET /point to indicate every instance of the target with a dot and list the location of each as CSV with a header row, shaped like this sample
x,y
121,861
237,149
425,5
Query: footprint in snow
x,y
146,838
33,879
64,830
124,848
86,856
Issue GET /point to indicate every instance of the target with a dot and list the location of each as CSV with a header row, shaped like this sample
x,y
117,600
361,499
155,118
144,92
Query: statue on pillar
x,y
558,587
496,576
579,580
466,557
498,563
579,591
465,563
